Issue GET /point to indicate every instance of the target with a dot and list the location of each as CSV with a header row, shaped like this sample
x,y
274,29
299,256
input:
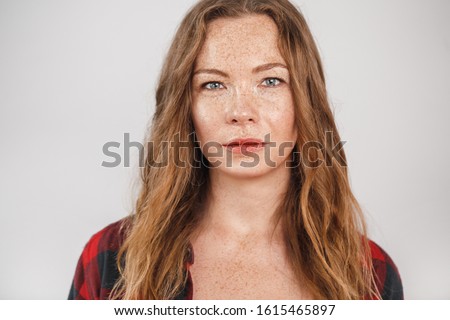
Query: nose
x,y
242,108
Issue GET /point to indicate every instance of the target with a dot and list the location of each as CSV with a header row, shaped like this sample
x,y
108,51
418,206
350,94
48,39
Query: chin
x,y
250,172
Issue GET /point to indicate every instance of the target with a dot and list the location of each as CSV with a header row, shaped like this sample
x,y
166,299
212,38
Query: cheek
x,y
282,116
205,120
288,119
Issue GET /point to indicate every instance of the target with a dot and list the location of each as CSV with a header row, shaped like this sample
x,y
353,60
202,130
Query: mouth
x,y
244,145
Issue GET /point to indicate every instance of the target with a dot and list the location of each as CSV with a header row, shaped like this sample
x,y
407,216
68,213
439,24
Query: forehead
x,y
242,42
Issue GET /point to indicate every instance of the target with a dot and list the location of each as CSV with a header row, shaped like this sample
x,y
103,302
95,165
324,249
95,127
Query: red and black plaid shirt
x,y
96,271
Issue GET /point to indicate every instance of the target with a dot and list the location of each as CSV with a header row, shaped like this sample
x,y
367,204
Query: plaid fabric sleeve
x,y
96,271
387,276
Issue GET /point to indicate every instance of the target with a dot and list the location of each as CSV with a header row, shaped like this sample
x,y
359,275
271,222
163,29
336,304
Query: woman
x,y
240,199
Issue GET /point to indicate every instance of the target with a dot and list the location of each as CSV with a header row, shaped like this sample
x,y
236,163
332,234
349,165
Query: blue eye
x,y
272,82
212,85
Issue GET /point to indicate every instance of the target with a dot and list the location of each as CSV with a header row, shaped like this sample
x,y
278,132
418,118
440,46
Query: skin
x,y
239,252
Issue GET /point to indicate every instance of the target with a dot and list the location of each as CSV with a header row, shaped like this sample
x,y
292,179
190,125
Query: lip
x,y
244,145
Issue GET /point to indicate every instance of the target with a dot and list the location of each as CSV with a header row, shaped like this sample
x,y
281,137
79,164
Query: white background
x,y
77,74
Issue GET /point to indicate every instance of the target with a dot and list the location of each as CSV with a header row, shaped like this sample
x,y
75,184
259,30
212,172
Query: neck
x,y
245,207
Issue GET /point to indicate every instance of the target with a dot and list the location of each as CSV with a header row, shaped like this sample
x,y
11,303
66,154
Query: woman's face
x,y
242,108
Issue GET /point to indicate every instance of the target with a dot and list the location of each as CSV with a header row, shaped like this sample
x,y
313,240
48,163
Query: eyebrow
x,y
257,69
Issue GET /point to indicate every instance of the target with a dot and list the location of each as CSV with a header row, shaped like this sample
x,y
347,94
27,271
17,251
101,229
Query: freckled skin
x,y
246,104
236,255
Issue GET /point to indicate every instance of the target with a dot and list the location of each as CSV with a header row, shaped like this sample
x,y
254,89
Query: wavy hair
x,y
324,228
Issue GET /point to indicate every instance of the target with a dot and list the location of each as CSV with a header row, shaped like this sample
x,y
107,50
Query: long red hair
x,y
324,228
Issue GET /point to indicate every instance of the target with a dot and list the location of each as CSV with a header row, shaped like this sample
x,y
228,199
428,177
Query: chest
x,y
245,273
